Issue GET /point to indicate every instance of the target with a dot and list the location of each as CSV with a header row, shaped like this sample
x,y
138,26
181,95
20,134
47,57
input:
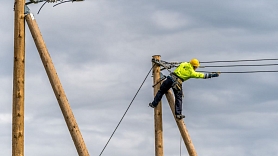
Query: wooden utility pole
x,y
57,86
181,125
157,111
18,80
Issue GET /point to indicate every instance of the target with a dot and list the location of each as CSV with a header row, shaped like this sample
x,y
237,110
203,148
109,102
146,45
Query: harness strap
x,y
175,77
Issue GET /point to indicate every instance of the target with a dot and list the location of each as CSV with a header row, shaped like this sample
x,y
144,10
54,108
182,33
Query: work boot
x,y
151,105
180,116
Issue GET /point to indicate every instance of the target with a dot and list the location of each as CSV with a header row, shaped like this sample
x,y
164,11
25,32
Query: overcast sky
x,y
102,51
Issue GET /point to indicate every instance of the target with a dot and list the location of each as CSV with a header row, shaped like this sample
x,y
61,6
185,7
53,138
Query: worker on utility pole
x,y
183,72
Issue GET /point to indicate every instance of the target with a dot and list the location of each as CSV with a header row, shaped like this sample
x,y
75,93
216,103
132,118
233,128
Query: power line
x,y
169,65
242,72
243,65
239,60
125,112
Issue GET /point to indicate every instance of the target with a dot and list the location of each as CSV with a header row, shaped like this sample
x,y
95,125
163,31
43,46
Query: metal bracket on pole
x,y
26,10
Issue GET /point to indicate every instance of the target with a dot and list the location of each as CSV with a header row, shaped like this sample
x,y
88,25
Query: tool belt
x,y
177,82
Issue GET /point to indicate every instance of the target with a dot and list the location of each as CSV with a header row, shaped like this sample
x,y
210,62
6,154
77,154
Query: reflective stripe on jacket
x,y
185,71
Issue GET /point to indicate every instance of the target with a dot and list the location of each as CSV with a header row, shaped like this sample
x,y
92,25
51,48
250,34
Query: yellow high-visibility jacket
x,y
185,71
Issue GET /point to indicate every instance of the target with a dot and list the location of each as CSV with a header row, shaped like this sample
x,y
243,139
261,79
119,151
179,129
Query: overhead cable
x,y
239,60
242,72
169,65
50,1
243,65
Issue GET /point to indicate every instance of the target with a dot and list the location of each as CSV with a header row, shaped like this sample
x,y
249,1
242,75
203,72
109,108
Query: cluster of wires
x,y
50,1
218,66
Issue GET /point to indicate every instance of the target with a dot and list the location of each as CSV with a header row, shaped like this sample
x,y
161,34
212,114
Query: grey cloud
x,y
102,52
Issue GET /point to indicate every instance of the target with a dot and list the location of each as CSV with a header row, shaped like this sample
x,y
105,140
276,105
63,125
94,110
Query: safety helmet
x,y
194,62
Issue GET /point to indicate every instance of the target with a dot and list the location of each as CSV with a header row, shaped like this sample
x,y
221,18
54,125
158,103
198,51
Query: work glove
x,y
215,74
210,75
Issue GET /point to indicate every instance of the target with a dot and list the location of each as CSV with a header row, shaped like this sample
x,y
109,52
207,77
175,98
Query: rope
x,y
125,112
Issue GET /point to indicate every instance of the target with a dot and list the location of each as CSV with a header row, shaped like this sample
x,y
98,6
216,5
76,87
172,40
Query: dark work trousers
x,y
165,86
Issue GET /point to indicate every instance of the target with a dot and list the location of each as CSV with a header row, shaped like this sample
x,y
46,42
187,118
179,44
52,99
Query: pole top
x,y
156,56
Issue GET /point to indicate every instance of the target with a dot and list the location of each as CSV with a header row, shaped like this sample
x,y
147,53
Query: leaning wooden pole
x,y
57,87
181,125
18,80
157,111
